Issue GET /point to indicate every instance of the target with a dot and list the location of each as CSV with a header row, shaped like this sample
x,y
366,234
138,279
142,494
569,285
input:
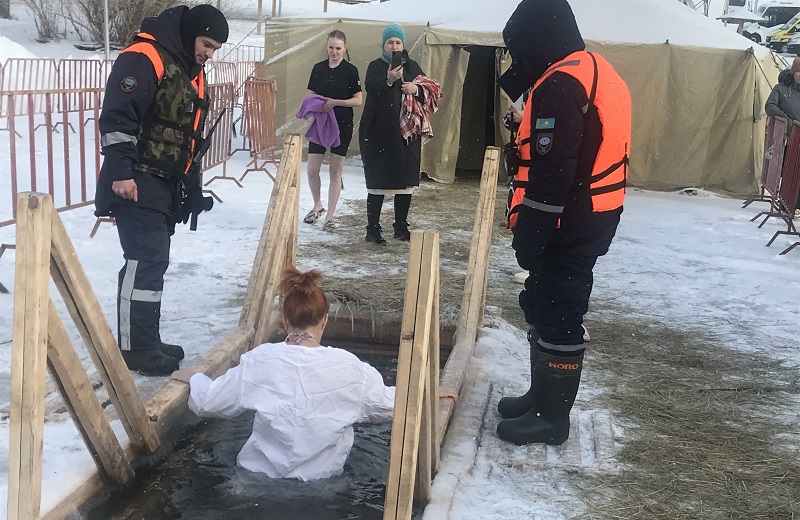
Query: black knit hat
x,y
203,20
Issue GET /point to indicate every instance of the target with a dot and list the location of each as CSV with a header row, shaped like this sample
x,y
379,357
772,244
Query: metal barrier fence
x,y
780,177
28,74
81,74
39,95
258,124
230,52
71,163
222,72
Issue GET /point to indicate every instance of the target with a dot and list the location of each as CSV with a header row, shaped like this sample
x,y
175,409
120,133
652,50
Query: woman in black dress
x,y
391,164
337,80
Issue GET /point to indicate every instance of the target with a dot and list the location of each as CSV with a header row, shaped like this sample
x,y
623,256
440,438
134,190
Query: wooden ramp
x,y
40,342
422,408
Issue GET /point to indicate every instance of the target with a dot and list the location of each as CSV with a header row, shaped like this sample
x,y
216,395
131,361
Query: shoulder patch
x,y
543,143
128,84
545,124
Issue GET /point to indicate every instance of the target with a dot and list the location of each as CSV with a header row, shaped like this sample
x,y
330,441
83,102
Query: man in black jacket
x,y
566,203
153,115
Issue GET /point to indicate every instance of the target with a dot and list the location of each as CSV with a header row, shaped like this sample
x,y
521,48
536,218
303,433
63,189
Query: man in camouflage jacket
x,y
153,114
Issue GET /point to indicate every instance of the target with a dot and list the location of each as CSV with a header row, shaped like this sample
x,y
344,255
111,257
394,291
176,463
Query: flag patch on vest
x,y
128,84
545,124
543,143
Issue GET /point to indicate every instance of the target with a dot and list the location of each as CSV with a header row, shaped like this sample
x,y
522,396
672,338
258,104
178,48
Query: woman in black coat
x,y
391,164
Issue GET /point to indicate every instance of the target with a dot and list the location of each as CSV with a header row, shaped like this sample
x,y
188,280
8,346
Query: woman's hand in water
x,y
183,375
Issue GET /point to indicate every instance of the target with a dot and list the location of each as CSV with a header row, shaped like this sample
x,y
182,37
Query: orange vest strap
x,y
148,50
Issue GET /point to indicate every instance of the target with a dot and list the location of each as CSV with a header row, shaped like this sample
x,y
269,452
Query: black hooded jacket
x,y
784,100
130,91
538,34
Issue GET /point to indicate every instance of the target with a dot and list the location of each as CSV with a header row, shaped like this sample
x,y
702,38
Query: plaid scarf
x,y
414,114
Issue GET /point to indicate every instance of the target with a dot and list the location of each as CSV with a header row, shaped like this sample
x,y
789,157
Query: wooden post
x,y
72,283
412,376
29,355
325,6
472,303
70,377
274,8
428,461
274,222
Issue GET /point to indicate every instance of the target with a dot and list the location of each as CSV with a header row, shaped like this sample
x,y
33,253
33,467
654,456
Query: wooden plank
x,y
403,376
29,355
419,377
262,329
471,314
433,384
259,258
294,208
276,230
165,409
251,310
422,485
70,377
429,449
80,300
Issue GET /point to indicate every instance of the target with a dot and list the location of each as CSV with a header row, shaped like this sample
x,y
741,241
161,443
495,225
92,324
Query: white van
x,y
776,12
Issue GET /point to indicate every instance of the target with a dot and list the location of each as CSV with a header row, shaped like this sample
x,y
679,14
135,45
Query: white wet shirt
x,y
306,400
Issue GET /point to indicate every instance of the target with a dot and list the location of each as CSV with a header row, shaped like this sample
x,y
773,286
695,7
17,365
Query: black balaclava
x,y
203,20
538,34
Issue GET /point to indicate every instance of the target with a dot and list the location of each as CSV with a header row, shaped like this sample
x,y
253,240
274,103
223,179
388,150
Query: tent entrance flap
x,y
478,110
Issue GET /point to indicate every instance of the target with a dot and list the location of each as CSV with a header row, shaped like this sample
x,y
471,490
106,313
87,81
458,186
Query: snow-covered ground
x,y
689,263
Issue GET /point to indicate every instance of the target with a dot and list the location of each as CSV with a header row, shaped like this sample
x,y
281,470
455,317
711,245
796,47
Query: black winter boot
x,y
555,386
151,362
401,231
374,235
173,351
513,407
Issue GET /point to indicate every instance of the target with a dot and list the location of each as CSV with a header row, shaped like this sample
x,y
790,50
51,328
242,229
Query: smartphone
x,y
397,59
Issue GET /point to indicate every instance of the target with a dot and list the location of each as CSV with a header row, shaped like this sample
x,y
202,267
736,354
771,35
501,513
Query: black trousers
x,y
145,238
556,297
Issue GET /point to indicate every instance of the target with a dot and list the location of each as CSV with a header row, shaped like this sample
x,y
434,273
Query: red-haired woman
x,y
306,396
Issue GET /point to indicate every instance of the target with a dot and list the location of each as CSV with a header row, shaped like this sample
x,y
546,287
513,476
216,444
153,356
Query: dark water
x,y
199,479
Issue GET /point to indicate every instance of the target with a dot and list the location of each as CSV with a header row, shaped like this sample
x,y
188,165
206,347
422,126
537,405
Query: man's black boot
x,y
173,351
150,362
374,235
555,385
513,407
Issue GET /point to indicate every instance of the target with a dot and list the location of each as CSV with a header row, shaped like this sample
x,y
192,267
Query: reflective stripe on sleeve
x,y
116,138
542,206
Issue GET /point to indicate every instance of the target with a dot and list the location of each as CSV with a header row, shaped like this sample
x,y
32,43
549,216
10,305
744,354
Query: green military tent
x,y
698,88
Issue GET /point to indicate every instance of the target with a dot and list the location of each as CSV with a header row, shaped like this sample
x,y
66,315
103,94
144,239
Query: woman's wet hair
x,y
304,303
338,35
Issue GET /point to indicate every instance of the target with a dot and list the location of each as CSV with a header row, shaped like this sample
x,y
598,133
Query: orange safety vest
x,y
148,48
608,93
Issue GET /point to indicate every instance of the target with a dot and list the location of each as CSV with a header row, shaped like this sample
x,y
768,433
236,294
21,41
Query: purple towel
x,y
323,130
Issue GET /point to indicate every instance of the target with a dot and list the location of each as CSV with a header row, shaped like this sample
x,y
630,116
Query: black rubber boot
x,y
401,231
374,235
555,385
513,407
173,351
151,362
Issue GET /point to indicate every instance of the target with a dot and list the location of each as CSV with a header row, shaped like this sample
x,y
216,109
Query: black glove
x,y
193,203
533,231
